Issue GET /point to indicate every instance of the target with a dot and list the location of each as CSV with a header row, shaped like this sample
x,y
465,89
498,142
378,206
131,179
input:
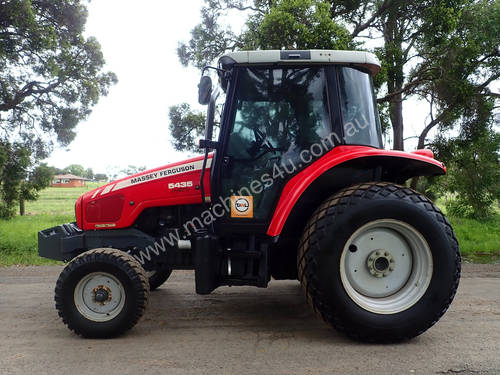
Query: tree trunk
x,y
396,114
393,44
21,207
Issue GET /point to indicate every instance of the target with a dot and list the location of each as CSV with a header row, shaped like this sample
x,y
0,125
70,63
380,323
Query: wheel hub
x,y
380,263
102,294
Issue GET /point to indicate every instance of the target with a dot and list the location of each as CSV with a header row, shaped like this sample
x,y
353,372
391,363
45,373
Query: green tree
x,y
89,173
461,59
20,181
289,24
37,180
463,62
473,166
50,78
100,177
14,164
75,169
186,127
55,170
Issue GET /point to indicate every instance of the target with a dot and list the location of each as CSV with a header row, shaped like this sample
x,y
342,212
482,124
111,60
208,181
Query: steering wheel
x,y
261,141
260,146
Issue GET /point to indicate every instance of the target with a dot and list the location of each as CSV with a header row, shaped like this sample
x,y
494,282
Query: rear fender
x,y
345,166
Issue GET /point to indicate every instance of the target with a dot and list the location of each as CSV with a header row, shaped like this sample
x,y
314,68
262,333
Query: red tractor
x,y
298,186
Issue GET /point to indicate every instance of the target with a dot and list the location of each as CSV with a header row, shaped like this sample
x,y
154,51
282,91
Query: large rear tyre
x,y
102,293
379,262
157,278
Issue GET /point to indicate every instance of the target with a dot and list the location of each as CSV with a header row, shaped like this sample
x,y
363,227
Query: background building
x,y
68,180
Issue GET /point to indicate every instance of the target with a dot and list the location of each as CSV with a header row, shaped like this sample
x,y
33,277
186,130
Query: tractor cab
x,y
284,110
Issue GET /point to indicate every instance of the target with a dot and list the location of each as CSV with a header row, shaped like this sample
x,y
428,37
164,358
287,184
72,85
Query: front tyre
x,y
101,293
379,262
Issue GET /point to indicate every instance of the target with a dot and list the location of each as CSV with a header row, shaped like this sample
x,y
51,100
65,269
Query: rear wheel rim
x,y
386,266
99,296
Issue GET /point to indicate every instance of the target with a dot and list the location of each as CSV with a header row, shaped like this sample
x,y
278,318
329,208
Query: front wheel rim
x,y
386,266
99,296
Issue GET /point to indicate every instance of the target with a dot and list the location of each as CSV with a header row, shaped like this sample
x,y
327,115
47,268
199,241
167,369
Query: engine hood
x,y
118,203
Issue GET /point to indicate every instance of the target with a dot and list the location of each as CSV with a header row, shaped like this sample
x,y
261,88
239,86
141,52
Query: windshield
x,y
359,110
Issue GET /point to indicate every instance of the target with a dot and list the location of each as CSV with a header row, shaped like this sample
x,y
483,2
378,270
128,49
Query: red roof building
x,y
68,180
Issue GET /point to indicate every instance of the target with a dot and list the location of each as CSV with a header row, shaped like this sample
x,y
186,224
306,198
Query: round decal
x,y
241,205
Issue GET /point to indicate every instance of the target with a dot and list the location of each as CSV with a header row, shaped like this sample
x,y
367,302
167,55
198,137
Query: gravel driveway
x,y
240,330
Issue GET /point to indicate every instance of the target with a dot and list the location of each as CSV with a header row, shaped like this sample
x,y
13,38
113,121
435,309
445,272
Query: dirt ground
x,y
240,330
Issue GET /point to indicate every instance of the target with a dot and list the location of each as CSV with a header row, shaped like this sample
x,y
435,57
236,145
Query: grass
x,y
19,236
58,201
479,241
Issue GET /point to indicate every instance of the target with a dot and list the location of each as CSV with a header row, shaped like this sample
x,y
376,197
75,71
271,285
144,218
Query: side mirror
x,y
204,90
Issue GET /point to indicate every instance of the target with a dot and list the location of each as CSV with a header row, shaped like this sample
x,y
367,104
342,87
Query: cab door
x,y
277,114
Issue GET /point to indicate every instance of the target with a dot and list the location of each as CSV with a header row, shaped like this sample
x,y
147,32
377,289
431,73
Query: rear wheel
x,y
379,262
157,278
101,293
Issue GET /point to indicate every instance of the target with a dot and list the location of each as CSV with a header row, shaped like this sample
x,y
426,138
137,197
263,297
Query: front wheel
x,y
102,293
379,262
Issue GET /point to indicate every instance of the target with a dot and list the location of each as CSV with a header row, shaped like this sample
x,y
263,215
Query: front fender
x,y
395,166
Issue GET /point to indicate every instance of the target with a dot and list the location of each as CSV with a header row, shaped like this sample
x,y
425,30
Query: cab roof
x,y
314,56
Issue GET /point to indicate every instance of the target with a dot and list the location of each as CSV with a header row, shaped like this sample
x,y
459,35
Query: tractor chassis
x,y
214,265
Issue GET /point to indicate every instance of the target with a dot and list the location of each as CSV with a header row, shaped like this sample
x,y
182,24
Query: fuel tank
x,y
118,203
